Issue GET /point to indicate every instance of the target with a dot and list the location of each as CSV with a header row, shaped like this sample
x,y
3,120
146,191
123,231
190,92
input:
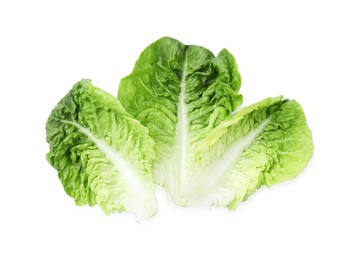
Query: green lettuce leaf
x,y
102,154
180,93
263,144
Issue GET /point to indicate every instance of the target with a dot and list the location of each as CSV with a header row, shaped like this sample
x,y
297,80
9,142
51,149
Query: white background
x,y
307,50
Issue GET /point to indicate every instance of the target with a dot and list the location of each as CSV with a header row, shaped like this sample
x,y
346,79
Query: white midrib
x,y
182,135
123,167
212,176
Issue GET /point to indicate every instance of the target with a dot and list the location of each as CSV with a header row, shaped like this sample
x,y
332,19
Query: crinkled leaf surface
x,y
102,154
263,144
180,92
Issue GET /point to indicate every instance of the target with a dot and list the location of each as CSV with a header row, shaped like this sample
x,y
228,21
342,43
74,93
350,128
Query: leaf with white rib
x,y
180,92
263,144
102,154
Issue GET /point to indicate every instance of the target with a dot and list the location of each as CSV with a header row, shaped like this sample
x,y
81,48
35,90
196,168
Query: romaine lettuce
x,y
102,154
180,93
177,122
263,144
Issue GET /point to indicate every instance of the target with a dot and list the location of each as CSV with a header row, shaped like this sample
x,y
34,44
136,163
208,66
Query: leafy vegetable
x,y
265,143
180,93
180,126
103,155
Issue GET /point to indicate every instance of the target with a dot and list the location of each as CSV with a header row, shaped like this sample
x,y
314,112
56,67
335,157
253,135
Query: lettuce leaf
x,y
180,93
102,154
177,123
263,144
